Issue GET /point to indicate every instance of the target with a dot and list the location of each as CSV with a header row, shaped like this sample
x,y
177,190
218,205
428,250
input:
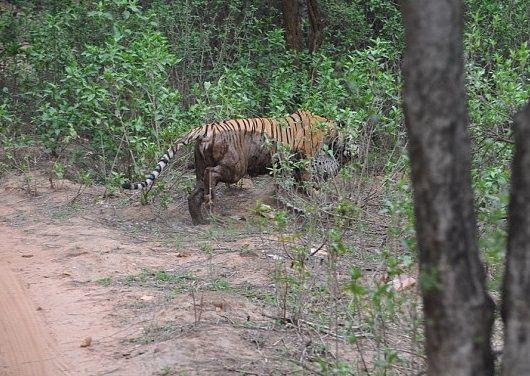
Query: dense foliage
x,y
120,79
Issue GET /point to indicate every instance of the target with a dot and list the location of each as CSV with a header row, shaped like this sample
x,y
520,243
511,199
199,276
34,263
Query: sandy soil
x,y
71,303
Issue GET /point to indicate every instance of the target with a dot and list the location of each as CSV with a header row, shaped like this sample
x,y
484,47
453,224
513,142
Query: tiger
x,y
226,151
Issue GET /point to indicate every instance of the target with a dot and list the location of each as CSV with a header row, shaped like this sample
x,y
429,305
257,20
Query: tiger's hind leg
x,y
211,178
203,193
195,200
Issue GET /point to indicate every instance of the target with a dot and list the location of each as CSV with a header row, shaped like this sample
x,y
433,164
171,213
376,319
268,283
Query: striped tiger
x,y
226,151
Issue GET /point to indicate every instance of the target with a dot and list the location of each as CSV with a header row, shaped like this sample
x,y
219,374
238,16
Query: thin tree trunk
x,y
516,294
316,25
458,311
291,20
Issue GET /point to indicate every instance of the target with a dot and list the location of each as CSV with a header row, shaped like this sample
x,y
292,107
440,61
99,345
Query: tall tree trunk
x,y
291,22
458,311
316,25
516,294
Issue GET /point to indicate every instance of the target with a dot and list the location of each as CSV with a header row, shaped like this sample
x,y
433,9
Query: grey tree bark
x,y
458,311
516,294
291,22
316,26
293,12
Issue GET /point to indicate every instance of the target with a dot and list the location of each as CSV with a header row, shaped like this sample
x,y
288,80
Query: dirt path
x,y
26,347
73,271
43,320
50,303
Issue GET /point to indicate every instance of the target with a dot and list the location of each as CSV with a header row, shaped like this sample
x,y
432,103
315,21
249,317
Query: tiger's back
x,y
301,131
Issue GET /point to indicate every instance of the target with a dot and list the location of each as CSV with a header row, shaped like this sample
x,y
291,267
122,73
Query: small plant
x,y
167,371
206,248
157,333
220,284
104,282
161,279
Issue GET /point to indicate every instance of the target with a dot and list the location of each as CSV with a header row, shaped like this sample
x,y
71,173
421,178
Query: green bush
x,y
116,96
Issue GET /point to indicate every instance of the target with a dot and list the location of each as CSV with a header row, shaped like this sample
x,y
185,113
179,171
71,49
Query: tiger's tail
x,y
161,165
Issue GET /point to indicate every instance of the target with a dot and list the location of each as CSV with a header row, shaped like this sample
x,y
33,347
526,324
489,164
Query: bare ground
x,y
95,286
